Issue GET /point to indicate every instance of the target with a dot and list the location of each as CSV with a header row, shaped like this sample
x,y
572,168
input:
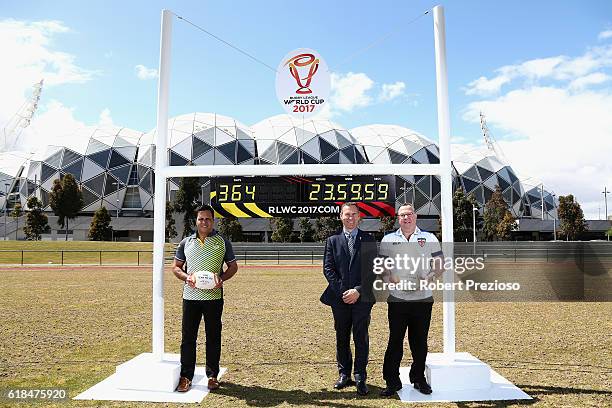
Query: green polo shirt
x,y
204,256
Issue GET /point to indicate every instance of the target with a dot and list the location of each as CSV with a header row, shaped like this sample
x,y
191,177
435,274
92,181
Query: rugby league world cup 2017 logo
x,y
302,82
299,61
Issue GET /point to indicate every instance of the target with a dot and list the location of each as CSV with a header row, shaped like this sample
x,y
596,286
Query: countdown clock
x,y
295,196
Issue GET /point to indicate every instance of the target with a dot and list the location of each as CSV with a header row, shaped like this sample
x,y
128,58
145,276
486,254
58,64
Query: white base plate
x,y
107,390
500,389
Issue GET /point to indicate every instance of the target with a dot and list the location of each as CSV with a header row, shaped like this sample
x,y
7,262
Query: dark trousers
x,y
193,310
355,318
414,316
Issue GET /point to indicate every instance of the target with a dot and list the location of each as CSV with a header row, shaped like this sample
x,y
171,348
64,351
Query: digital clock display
x,y
376,194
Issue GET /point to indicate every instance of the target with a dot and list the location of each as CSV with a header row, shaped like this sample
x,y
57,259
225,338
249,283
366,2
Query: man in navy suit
x,y
347,268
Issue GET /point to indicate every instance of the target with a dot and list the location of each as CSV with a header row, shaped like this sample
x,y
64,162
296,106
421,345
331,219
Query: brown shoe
x,y
213,383
184,384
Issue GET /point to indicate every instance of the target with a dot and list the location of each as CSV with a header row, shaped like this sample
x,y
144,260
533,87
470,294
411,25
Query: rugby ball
x,y
204,280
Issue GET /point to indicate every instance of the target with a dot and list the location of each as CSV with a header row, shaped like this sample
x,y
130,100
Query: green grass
x,y
70,327
76,252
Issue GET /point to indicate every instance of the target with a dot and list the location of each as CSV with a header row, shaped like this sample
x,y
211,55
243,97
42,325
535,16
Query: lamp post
x,y
117,194
474,211
554,219
542,198
605,193
6,186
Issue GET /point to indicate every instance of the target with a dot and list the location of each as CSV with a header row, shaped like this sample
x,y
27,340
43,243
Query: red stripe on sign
x,y
389,209
303,180
373,212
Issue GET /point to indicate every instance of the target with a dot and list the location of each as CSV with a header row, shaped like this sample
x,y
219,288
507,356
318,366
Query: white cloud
x,y
350,91
391,91
54,125
105,118
595,78
145,73
31,57
560,68
485,86
552,120
564,137
604,35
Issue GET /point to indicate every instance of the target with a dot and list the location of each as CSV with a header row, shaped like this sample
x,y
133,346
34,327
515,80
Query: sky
x,y
541,72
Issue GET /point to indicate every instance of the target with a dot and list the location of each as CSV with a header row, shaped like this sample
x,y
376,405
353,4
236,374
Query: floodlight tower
x,y
21,119
489,140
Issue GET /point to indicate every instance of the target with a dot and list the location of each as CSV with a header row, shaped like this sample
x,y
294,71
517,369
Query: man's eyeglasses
x,y
404,215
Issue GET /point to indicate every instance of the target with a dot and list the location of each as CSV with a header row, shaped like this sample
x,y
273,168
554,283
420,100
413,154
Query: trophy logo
x,y
303,60
303,82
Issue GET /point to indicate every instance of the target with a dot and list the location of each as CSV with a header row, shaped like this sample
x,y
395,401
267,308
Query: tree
x,y
571,217
16,213
170,222
186,202
36,222
66,199
387,224
306,230
282,228
326,226
463,214
609,233
230,228
100,228
506,226
498,221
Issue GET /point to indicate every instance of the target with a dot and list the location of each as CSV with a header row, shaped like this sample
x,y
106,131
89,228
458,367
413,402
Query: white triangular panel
x,y
207,158
330,137
183,148
207,136
90,169
95,146
303,136
222,138
382,158
144,196
312,148
289,138
129,152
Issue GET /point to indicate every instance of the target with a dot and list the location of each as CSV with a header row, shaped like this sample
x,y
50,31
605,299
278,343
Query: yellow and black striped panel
x,y
238,210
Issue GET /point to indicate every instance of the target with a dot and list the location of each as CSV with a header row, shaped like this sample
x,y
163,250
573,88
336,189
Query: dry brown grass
x,y
70,327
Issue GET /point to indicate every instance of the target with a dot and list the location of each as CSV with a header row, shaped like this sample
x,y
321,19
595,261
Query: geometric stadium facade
x,y
116,167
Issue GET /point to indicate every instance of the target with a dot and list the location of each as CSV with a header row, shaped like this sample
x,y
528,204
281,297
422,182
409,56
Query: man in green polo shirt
x,y
205,250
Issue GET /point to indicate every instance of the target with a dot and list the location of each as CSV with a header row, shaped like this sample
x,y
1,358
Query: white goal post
x,y
163,172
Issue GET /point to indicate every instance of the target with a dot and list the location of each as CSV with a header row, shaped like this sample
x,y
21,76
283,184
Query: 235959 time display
x,y
282,190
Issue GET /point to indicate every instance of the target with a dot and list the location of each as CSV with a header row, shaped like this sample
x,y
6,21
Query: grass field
x,y
70,327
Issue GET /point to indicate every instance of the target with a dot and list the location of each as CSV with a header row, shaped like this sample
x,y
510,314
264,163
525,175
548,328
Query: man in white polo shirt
x,y
410,308
205,250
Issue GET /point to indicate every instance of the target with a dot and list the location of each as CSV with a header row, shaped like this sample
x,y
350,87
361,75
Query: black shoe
x,y
423,387
362,388
390,390
343,382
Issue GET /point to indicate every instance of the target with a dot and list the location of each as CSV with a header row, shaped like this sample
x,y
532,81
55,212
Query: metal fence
x,y
143,257
516,252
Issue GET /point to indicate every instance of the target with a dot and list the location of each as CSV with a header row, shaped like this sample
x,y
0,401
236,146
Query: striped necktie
x,y
351,243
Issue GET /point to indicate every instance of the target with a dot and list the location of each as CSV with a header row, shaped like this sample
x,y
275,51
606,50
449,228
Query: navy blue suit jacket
x,y
344,272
